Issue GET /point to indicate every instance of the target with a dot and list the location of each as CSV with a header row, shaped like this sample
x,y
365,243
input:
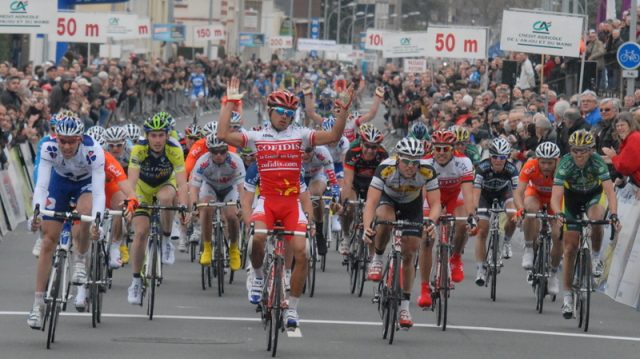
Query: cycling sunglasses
x,y
409,161
370,146
68,142
116,144
444,149
499,157
579,151
219,152
284,112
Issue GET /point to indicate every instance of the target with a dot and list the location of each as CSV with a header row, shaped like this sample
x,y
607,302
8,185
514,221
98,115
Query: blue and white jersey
x,y
198,81
86,165
339,150
37,160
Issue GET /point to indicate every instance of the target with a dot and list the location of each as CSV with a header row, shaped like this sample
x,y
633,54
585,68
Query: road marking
x,y
346,322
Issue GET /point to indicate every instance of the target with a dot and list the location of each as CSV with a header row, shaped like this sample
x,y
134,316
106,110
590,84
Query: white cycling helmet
x,y
547,150
115,134
213,141
236,118
499,146
209,128
69,126
133,131
410,147
96,132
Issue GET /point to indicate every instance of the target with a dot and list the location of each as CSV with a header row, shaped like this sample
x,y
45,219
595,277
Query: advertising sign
x,y
405,44
27,17
318,45
556,34
248,39
168,32
414,66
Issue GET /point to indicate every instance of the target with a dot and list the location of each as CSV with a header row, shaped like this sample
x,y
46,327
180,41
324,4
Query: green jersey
x,y
473,153
581,180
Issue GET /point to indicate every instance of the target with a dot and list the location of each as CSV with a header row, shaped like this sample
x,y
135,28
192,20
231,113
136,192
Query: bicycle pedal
x,y
375,299
259,308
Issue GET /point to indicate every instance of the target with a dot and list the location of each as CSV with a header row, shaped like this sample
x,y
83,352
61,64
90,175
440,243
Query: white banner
x,y
121,26
457,43
80,27
415,66
541,33
405,44
213,32
318,45
27,17
374,40
281,42
110,51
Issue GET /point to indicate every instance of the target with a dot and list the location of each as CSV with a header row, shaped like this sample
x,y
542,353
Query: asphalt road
x,y
193,323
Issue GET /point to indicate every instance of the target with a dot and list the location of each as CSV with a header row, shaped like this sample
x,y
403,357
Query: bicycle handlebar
x,y
109,212
399,223
74,216
600,222
496,210
449,218
217,204
277,231
163,208
320,198
541,215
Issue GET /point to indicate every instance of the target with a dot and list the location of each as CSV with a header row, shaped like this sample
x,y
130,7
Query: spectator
x,y
629,102
611,63
604,130
589,107
595,52
60,95
626,161
10,95
527,78
572,122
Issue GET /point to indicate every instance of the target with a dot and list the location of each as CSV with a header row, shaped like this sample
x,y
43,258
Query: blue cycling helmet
x,y
419,131
53,120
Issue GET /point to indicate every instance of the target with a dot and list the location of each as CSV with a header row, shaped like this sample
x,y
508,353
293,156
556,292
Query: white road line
x,y
345,322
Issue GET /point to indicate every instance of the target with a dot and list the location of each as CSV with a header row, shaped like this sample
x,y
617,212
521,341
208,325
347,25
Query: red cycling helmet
x,y
443,137
284,99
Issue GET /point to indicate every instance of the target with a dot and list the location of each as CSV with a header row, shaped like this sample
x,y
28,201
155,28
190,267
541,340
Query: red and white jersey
x,y
279,158
351,129
451,176
320,163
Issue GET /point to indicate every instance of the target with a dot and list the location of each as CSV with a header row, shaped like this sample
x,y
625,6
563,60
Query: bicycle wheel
x,y
364,264
244,248
444,286
354,271
193,246
539,277
54,304
277,307
93,283
151,299
311,273
585,288
383,301
219,261
394,298
494,244
204,270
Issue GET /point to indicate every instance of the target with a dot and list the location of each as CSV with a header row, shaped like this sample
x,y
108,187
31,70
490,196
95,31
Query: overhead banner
x,y
280,42
318,45
169,32
204,33
405,44
98,27
27,17
122,26
546,33
414,66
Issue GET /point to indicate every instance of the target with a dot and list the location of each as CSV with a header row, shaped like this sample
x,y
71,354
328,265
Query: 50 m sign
x,y
79,27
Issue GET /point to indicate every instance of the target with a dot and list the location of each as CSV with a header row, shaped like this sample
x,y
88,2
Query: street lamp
x,y
334,11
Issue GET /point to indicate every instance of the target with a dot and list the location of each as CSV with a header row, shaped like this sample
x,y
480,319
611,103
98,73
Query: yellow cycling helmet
x,y
462,134
582,138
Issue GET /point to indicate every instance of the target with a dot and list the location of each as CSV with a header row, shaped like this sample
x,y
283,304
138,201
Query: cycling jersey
x,y
363,170
220,177
157,168
324,110
537,183
473,153
196,151
351,129
60,179
319,165
198,85
586,180
495,184
252,179
114,174
339,150
388,179
279,158
36,162
262,86
451,176
123,158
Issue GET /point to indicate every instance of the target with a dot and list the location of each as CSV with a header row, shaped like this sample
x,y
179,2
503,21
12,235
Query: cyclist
x,y
318,170
71,168
360,165
199,148
455,178
192,134
156,169
533,192
463,144
398,186
495,178
115,138
582,180
337,150
279,149
420,132
197,85
219,176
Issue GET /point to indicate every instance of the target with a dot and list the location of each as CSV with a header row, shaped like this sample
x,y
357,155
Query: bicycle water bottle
x,y
65,235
